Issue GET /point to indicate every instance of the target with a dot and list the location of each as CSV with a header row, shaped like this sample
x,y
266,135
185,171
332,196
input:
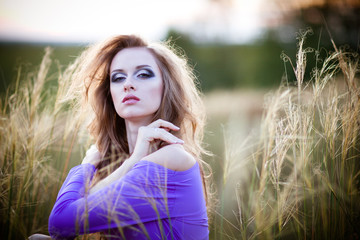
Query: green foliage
x,y
220,66
23,58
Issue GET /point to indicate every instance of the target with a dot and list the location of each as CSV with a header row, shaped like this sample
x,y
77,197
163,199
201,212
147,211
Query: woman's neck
x,y
132,128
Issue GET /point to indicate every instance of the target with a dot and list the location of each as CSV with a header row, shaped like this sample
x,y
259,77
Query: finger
x,y
163,124
162,134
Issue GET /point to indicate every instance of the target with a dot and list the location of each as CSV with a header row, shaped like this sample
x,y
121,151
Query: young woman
x,y
143,179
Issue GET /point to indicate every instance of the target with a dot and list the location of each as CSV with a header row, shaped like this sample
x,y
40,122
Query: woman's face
x,y
136,84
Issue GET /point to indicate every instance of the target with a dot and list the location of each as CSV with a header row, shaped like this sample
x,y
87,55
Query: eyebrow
x,y
136,68
142,66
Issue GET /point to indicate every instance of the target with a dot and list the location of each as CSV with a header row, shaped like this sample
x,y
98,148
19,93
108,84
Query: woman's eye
x,y
117,78
144,74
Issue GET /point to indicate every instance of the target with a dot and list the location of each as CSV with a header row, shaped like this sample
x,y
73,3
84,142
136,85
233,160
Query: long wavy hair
x,y
181,102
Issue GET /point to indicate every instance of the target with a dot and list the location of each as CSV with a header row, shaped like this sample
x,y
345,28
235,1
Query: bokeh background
x,y
235,46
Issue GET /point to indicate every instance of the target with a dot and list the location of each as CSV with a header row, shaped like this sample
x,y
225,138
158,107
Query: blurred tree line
x,y
224,66
330,21
217,66
227,66
25,58
260,64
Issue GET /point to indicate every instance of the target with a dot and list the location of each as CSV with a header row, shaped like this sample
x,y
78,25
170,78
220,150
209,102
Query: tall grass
x,y
37,136
297,177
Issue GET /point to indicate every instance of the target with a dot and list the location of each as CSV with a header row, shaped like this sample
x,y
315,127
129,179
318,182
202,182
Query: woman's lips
x,y
130,99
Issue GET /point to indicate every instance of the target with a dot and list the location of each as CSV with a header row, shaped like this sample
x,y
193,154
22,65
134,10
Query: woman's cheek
x,y
116,98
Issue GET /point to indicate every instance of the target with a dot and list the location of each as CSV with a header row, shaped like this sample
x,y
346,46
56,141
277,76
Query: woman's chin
x,y
138,118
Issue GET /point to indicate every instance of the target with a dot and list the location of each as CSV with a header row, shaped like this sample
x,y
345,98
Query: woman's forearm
x,y
117,174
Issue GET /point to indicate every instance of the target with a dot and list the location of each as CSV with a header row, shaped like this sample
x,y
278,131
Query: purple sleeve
x,y
134,199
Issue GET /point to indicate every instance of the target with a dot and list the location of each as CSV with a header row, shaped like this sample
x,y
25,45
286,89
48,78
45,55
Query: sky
x,y
94,20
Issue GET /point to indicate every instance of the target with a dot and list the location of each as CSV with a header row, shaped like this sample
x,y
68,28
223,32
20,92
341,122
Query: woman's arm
x,y
142,195
117,174
93,156
158,130
173,157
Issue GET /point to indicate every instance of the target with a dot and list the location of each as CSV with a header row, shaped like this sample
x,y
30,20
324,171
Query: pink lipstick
x,y
130,99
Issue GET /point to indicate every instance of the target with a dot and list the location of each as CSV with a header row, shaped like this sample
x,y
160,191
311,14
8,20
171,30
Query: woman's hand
x,y
92,156
154,132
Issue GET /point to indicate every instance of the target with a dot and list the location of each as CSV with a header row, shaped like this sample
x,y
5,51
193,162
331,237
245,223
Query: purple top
x,y
149,202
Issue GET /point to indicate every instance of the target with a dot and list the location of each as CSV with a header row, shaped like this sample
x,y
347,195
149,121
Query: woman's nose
x,y
129,84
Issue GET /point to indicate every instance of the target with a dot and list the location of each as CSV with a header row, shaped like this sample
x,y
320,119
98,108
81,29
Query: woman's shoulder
x,y
173,156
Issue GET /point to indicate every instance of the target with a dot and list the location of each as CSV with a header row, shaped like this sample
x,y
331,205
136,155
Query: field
x,y
285,164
